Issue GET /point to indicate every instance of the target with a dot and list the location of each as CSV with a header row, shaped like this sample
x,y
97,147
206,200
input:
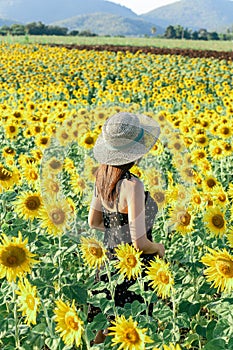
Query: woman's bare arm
x,y
136,213
95,216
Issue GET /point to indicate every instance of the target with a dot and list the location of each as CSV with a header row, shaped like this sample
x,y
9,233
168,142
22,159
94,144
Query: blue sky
x,y
143,6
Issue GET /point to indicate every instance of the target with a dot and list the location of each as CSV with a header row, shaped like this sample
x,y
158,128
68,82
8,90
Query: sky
x,y
143,6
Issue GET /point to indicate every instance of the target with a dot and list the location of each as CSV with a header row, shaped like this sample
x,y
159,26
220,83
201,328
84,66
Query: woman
x,y
120,207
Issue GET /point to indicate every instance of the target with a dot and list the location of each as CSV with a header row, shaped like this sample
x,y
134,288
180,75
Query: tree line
x,y
39,28
171,32
179,32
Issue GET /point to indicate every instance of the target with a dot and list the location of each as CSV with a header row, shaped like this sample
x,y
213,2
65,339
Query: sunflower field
x,y
53,103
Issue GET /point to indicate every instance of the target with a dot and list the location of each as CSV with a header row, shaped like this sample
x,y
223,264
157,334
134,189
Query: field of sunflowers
x,y
53,103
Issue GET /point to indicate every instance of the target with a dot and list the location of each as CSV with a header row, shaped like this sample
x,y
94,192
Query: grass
x,y
127,41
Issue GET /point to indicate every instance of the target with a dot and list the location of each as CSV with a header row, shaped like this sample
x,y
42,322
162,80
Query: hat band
x,y
122,147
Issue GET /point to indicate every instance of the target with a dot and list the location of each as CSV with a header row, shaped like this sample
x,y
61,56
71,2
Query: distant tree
x,y
170,32
56,30
212,36
153,30
202,34
179,30
74,32
194,35
87,33
36,28
18,29
4,30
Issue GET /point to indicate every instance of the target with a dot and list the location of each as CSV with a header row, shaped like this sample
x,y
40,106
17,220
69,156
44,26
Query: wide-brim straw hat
x,y
125,138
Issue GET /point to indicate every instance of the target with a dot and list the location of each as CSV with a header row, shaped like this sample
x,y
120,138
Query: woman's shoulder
x,y
134,183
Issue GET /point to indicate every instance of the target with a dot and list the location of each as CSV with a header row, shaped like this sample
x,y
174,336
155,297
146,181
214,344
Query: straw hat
x,y
125,138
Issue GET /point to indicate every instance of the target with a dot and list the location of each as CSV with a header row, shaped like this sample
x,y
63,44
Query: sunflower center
x,y
218,221
30,300
189,172
33,175
32,203
71,323
202,140
225,131
132,336
95,250
4,174
44,140
89,140
225,267
222,197
218,150
211,183
159,197
177,146
64,135
13,257
54,187
184,218
197,199
12,128
164,278
58,216
55,164
131,260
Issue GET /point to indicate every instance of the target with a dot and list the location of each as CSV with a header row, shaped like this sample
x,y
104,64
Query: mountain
x,y
213,15
48,11
104,23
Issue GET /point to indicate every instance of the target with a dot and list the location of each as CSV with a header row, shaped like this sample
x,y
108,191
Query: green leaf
x,y
210,328
99,322
215,344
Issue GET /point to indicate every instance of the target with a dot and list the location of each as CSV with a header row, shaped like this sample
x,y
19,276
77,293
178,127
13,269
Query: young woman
x,y
120,207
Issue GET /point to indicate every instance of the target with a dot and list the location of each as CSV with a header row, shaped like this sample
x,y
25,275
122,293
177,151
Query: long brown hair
x,y
107,177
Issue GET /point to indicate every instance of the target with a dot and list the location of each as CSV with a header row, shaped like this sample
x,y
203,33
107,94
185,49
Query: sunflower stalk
x,y
111,288
17,340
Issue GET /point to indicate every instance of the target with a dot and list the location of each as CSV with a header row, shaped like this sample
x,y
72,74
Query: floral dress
x,y
117,232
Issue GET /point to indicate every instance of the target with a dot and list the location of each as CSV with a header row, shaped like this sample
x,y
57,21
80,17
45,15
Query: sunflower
x,y
161,277
220,196
220,270
28,205
8,151
136,170
31,174
126,332
50,187
28,301
129,262
42,141
63,136
15,258
8,178
182,218
159,195
53,165
157,149
77,183
11,130
56,216
209,183
90,168
68,322
215,221
93,252
88,140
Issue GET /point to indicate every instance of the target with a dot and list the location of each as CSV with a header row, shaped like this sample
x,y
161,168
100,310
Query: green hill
x,y
213,15
108,24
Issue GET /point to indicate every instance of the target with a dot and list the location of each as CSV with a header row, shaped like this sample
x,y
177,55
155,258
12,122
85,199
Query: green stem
x,y
17,341
173,298
111,288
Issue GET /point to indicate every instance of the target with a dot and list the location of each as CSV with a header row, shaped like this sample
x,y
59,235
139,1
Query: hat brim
x,y
105,154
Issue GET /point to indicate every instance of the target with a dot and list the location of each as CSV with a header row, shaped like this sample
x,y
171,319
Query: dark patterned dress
x,y
117,232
